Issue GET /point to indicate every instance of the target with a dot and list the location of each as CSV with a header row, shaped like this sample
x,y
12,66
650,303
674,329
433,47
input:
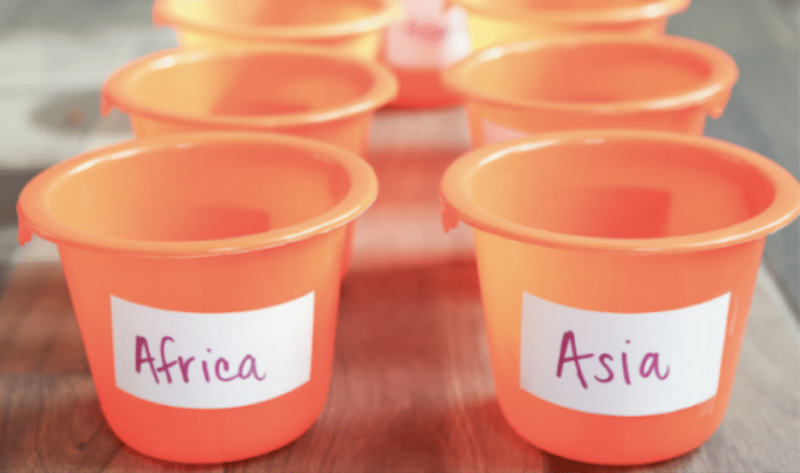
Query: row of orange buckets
x,y
430,34
617,249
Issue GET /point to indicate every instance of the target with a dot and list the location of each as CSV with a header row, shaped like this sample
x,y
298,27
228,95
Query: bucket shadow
x,y
128,459
407,315
410,177
394,403
558,464
77,112
504,450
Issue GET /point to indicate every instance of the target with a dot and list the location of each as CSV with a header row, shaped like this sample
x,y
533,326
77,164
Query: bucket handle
x,y
158,17
24,232
450,217
716,106
106,104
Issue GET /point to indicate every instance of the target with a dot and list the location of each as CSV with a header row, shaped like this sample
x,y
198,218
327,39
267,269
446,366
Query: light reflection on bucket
x,y
353,27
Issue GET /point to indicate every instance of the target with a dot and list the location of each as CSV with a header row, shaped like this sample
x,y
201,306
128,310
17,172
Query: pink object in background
x,y
430,36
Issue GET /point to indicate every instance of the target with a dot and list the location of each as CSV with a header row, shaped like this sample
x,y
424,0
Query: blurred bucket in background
x,y
204,271
611,81
353,27
289,89
616,270
430,36
495,22
294,90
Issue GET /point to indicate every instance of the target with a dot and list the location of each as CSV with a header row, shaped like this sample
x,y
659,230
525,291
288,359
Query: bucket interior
x,y
621,189
250,86
198,193
255,13
593,73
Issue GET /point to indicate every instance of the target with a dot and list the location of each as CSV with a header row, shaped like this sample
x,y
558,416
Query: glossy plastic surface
x,y
324,96
620,222
212,223
495,22
352,27
423,88
662,83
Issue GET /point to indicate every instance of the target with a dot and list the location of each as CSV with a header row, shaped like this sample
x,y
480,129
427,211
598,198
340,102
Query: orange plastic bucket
x,y
616,270
353,27
291,89
660,83
294,90
430,36
204,271
495,22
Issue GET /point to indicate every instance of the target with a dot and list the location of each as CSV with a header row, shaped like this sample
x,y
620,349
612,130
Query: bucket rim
x,y
35,216
458,205
715,88
114,95
586,16
165,12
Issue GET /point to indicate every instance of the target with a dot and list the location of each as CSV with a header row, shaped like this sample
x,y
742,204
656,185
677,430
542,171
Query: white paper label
x,y
622,364
212,361
494,133
428,36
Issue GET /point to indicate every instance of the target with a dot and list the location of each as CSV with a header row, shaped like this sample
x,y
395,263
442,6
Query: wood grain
x,y
52,423
412,387
38,330
411,391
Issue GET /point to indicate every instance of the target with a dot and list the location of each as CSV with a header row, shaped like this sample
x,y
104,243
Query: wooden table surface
x,y
411,387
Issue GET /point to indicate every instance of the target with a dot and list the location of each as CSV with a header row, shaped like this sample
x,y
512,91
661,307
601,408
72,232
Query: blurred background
x,y
54,55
